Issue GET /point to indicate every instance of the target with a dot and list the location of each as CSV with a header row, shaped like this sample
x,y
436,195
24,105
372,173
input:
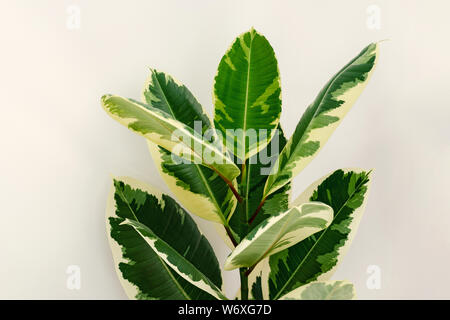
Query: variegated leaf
x,y
143,273
252,188
327,290
257,281
163,92
247,94
274,204
160,128
198,188
176,260
322,117
316,257
280,232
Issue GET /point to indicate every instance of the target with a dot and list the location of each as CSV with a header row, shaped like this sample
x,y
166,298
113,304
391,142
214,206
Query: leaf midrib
x,y
318,240
177,284
205,279
244,126
319,104
216,204
205,183
277,238
247,190
159,118
165,97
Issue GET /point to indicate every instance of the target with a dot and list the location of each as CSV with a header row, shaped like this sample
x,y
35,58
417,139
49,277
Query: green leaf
x,y
163,92
247,94
330,290
174,136
176,260
199,189
256,290
322,117
142,272
280,232
252,188
316,257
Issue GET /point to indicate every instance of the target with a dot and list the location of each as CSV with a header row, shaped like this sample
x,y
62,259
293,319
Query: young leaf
x,y
322,117
163,92
316,257
280,232
252,188
142,272
257,174
247,94
198,188
160,128
176,260
329,290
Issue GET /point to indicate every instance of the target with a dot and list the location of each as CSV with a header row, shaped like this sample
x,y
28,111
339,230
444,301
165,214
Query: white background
x,y
59,149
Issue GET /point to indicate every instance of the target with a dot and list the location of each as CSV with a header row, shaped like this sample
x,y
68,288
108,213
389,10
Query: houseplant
x,y
236,172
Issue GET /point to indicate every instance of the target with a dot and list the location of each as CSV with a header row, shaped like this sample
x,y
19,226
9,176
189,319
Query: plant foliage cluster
x,y
283,249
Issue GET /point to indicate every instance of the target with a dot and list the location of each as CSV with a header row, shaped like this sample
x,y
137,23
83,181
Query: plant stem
x,y
256,211
236,194
244,284
243,204
249,270
244,228
229,183
230,235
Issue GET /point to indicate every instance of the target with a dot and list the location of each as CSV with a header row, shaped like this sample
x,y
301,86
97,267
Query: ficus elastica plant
x,y
235,170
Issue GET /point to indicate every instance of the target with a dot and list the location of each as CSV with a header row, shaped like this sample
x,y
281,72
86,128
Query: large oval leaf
x,y
144,274
247,94
160,128
326,290
176,260
280,232
322,117
316,257
198,188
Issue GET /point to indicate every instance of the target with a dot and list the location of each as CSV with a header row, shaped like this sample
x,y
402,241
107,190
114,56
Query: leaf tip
x,y
116,182
228,266
104,100
380,41
105,97
113,177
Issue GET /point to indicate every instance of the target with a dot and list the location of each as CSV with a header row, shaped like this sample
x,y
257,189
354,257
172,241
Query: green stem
x,y
229,183
230,235
256,211
244,284
249,270
244,228
243,203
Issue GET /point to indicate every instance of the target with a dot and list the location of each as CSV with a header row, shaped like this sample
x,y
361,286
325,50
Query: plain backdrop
x,y
59,148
